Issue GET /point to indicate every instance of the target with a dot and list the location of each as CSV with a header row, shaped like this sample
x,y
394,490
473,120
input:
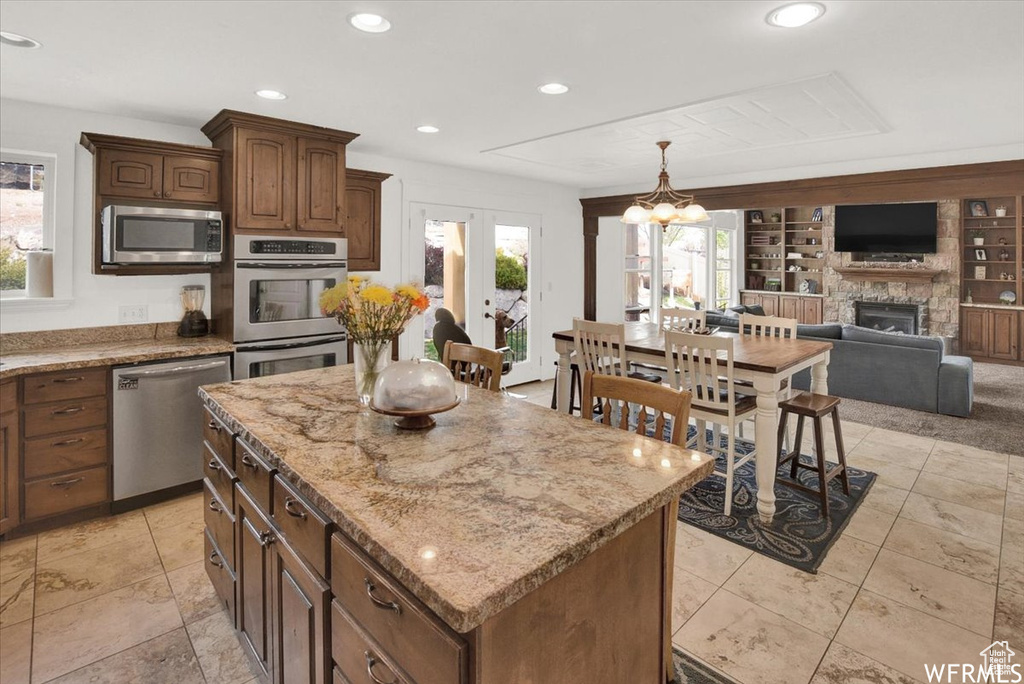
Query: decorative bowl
x,y
1007,297
413,390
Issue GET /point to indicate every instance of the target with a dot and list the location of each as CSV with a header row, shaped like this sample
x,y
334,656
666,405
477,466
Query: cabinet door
x,y
254,536
191,180
300,609
974,339
789,307
265,180
750,299
810,310
1004,334
362,228
129,174
321,186
770,304
9,499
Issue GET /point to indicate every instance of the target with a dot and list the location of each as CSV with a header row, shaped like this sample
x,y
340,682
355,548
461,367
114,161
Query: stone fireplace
x,y
888,317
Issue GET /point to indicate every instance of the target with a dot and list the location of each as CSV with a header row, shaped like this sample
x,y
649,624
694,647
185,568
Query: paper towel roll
x,y
39,274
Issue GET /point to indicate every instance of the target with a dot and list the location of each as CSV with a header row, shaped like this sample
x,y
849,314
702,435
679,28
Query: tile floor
x,y
930,569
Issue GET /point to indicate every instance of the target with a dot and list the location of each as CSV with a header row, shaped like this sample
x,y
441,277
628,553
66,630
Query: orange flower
x,y
422,302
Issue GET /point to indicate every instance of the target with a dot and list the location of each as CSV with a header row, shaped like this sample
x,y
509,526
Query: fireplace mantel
x,y
889,275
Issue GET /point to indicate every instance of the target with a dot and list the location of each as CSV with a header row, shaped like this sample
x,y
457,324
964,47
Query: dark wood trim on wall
x,y
962,181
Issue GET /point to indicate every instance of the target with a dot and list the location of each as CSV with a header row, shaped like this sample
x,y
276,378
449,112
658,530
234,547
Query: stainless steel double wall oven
x,y
278,327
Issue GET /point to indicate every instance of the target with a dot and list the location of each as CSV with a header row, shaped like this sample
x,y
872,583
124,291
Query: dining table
x,y
765,362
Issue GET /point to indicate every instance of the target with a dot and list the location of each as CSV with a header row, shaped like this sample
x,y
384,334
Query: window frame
x,y
49,163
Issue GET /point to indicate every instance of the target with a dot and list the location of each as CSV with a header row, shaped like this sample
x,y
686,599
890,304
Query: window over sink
x,y
26,224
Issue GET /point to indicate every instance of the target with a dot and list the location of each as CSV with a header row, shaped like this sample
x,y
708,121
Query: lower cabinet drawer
x,y
65,385
359,659
48,455
220,476
220,523
63,493
305,528
426,647
66,416
256,474
221,576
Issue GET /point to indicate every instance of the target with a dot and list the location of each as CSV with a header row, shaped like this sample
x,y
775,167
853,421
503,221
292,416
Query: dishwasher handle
x,y
177,370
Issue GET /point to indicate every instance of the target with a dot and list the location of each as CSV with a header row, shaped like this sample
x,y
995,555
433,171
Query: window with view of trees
x,y
23,217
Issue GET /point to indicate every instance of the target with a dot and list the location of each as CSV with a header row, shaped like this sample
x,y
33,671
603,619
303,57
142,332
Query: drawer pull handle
x,y
371,660
213,464
289,508
214,561
68,442
66,411
214,506
246,461
267,538
380,603
213,425
75,379
67,483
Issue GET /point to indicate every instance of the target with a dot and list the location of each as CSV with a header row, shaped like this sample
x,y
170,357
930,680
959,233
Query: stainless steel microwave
x,y
161,235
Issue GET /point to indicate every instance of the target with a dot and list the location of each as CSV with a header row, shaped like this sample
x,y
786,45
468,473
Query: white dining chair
x,y
694,364
686,320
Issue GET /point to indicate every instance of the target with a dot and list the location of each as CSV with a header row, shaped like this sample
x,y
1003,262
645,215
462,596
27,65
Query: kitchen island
x,y
510,543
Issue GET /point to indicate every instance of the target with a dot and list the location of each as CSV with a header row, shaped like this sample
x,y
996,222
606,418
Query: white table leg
x,y
564,378
766,422
819,376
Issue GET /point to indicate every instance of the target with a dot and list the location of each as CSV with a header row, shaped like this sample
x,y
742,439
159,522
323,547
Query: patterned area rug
x,y
692,671
798,536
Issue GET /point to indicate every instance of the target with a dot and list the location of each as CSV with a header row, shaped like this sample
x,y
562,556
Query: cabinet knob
x,y
156,194
167,194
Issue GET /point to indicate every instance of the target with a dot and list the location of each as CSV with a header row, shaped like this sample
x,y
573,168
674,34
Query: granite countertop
x,y
55,350
470,516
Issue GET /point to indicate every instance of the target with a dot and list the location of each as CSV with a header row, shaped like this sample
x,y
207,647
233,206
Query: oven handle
x,y
291,265
292,345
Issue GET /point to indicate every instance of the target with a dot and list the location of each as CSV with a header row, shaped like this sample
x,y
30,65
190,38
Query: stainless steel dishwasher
x,y
158,434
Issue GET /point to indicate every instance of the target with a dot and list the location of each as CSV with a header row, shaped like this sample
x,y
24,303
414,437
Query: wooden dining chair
x,y
473,365
683,319
616,395
693,364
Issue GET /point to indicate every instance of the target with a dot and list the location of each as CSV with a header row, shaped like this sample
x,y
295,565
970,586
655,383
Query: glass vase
x,y
370,359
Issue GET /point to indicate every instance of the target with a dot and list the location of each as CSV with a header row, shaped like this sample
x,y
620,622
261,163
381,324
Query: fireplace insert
x,y
888,317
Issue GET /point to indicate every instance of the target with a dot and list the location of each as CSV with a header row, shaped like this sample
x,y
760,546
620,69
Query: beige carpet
x,y
996,422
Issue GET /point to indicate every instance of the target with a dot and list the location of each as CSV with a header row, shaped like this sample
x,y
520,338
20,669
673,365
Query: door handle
x,y
488,315
68,442
67,483
66,411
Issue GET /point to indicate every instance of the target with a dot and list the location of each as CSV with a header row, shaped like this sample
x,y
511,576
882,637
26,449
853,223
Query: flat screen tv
x,y
886,228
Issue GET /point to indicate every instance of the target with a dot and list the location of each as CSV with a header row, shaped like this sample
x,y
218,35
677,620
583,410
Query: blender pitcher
x,y
194,323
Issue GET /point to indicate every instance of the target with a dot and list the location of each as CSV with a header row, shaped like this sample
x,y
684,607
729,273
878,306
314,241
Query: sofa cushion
x,y
830,331
855,333
719,318
756,309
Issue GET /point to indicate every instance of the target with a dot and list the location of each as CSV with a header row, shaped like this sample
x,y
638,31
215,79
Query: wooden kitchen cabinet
x,y
991,333
254,536
190,179
362,226
299,618
811,310
10,501
284,178
126,173
789,307
806,310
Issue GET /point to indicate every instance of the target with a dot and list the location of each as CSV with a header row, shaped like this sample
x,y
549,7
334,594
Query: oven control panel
x,y
298,247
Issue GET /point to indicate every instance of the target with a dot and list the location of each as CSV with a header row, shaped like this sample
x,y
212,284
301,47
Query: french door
x,y
484,267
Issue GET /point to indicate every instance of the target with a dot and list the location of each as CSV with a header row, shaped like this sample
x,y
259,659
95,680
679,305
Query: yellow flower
x,y
409,291
378,294
333,298
355,280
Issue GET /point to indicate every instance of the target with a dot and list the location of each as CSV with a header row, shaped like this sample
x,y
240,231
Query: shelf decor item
x,y
816,215
372,315
413,390
977,236
1000,211
980,272
980,255
756,217
1007,297
978,208
775,218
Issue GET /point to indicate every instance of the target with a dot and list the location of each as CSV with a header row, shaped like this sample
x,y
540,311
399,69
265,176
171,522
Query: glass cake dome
x,y
419,386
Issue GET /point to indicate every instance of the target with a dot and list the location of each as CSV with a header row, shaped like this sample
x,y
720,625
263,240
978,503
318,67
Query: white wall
x,y
95,298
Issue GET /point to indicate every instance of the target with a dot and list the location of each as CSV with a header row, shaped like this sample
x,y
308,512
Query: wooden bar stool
x,y
814,406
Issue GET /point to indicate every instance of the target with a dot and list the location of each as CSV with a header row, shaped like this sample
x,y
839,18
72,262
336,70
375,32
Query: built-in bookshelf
x,y
784,249
991,250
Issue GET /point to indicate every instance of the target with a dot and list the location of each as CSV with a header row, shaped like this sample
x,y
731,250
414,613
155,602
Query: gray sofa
x,y
899,370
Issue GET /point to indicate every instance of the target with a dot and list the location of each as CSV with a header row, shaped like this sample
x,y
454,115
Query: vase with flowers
x,y
372,314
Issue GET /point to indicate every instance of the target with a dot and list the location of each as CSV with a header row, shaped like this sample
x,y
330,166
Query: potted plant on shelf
x,y
372,315
978,236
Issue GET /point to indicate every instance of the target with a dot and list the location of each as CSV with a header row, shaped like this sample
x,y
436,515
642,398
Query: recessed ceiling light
x,y
428,129
271,94
370,23
15,40
553,89
796,14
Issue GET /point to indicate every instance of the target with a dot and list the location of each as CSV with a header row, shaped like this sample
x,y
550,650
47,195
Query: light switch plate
x,y
134,313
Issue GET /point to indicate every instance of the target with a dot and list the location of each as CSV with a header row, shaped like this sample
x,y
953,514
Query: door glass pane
x,y
286,300
638,271
277,367
685,250
724,268
512,290
444,277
